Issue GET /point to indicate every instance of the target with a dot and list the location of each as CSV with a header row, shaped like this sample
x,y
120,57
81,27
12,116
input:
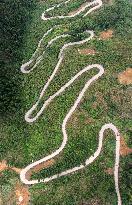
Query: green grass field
x,y
22,142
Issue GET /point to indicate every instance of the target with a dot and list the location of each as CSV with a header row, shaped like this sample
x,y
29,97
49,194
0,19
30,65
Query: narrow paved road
x,y
31,64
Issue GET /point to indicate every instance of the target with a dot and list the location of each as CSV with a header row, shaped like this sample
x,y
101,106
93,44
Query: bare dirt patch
x,y
104,35
75,11
87,51
18,195
125,77
43,165
124,149
39,167
3,165
22,194
15,169
109,171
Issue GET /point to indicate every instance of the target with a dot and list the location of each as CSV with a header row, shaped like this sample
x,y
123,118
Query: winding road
x,y
31,64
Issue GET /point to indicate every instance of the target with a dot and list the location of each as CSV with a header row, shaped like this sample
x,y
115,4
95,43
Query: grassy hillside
x,y
22,142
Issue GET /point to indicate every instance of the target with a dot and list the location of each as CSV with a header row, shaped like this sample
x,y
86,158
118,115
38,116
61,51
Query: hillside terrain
x,y
107,100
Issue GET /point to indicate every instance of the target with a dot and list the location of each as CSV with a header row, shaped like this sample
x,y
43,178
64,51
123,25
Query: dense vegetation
x,y
22,143
15,16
